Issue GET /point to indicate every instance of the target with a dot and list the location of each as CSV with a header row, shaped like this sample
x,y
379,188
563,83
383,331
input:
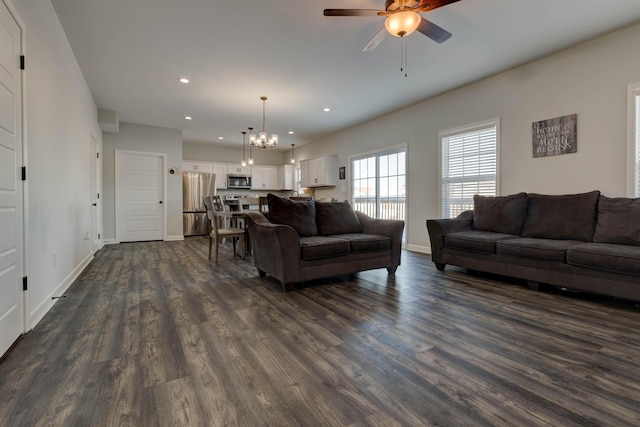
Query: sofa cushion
x,y
336,218
362,242
545,249
605,256
504,214
618,221
475,240
301,216
319,247
566,217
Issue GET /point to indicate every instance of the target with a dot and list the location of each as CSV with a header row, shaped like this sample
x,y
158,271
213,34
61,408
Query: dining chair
x,y
263,206
219,231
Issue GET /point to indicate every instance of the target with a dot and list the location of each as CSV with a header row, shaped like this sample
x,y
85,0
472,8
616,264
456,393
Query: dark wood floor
x,y
155,334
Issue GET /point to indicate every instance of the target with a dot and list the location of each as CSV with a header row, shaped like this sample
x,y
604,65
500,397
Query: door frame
x,y
163,157
96,174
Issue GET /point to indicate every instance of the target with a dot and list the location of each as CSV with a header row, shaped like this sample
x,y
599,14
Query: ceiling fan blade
x,y
432,31
376,40
434,4
351,12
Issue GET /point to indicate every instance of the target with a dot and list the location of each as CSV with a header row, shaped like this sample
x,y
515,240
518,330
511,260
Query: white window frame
x,y
377,153
633,140
495,122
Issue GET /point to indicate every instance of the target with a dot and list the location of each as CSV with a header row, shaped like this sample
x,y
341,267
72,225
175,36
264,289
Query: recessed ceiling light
x,y
290,132
188,118
326,109
221,138
183,80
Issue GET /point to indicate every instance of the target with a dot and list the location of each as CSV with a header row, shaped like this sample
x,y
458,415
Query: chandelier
x,y
261,140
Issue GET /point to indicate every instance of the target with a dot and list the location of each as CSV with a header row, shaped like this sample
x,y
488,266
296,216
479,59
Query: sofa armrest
x,y
439,228
276,247
392,228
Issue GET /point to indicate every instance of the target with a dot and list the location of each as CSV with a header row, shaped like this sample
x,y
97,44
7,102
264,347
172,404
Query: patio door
x,y
378,183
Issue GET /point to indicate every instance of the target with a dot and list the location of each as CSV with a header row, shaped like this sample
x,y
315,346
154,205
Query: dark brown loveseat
x,y
309,240
586,242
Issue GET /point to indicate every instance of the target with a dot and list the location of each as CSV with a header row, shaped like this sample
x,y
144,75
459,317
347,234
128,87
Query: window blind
x,y
469,166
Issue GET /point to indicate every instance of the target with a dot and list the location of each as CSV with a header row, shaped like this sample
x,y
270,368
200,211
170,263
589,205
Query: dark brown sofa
x,y
305,240
586,242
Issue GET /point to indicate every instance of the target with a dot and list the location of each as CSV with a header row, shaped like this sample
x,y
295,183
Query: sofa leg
x,y
286,287
392,270
440,266
261,273
533,285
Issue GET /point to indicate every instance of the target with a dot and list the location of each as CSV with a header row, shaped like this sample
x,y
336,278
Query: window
x,y
469,165
378,184
633,168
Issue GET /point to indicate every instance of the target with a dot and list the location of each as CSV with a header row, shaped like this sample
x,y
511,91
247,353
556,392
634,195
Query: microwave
x,y
239,181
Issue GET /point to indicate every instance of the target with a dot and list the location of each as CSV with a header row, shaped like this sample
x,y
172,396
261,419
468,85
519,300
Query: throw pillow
x,y
618,221
301,216
503,214
566,217
336,218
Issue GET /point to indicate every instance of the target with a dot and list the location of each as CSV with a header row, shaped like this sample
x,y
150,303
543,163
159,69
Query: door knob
x,y
94,204
160,202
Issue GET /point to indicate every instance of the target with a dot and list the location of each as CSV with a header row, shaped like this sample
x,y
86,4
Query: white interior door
x,y
96,202
11,194
139,196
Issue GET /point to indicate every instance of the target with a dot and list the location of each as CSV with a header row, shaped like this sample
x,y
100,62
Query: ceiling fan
x,y
402,19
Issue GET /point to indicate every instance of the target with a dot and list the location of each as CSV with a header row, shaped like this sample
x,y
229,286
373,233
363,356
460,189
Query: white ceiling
x,y
133,51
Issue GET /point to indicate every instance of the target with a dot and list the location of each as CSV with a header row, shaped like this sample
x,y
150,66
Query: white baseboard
x,y
168,239
418,248
43,308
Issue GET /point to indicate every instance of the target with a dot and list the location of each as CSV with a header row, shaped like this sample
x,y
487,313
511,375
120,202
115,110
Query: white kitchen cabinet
x,y
220,169
285,177
196,167
264,178
238,169
304,173
319,172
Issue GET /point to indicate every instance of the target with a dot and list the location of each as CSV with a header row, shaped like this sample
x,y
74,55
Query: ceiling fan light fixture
x,y
402,23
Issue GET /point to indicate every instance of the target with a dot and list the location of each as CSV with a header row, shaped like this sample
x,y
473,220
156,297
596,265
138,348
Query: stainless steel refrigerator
x,y
196,185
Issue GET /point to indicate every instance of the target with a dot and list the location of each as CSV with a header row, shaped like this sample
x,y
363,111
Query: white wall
x,y
590,80
218,153
60,116
150,139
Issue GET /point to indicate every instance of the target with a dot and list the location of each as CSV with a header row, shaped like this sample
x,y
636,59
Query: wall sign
x,y
556,136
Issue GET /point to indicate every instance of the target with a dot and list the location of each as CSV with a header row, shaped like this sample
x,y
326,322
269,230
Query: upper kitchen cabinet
x,y
285,177
264,178
196,167
220,169
237,169
319,172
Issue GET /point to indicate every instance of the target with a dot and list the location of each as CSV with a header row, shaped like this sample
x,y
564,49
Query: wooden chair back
x,y
263,205
219,230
